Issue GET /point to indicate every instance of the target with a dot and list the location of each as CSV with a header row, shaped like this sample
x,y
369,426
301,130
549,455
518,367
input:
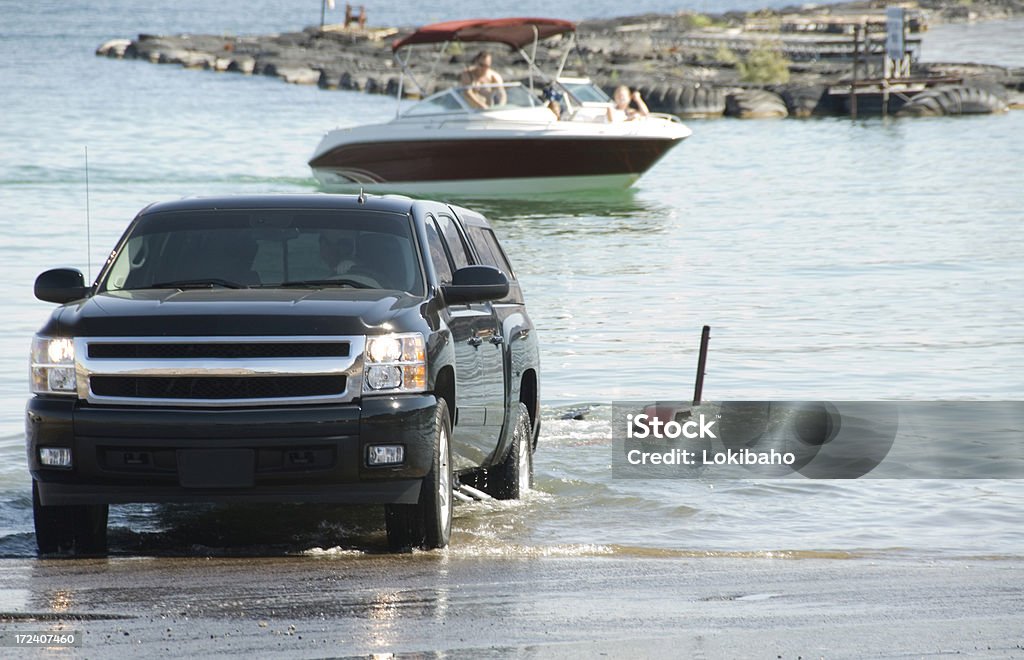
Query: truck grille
x,y
219,371
162,351
205,387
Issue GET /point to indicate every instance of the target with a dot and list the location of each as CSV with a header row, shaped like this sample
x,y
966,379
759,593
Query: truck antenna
x,y
88,219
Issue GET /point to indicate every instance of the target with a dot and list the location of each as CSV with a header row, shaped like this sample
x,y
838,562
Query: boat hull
x,y
488,166
515,187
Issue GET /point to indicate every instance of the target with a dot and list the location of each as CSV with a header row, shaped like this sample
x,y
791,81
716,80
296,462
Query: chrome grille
x,y
219,371
165,351
217,387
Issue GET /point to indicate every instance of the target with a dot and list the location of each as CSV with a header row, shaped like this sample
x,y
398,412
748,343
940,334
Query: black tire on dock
x,y
803,100
659,100
953,100
755,104
699,100
392,86
645,91
672,99
372,86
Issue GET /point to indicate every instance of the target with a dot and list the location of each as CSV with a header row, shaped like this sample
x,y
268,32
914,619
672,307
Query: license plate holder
x,y
216,468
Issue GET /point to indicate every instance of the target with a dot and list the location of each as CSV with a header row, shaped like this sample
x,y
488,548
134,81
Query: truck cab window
x,y
487,247
453,239
437,253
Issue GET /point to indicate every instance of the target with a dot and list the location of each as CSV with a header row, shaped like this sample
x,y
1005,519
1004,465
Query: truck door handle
x,y
497,339
475,341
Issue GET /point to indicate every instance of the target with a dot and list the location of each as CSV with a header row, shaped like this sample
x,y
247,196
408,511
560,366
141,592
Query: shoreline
x,y
769,63
440,601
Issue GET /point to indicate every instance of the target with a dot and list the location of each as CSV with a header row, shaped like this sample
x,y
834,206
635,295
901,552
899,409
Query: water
x,y
833,259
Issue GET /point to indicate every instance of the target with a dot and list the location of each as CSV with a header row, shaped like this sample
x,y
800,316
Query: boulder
x,y
755,104
298,75
803,100
114,47
242,64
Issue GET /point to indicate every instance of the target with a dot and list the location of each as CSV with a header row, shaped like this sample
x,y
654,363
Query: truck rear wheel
x,y
428,523
79,529
514,476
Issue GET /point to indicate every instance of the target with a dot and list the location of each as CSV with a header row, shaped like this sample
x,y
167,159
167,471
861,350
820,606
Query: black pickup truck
x,y
303,348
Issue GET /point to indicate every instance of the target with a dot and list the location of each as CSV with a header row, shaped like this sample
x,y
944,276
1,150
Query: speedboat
x,y
443,144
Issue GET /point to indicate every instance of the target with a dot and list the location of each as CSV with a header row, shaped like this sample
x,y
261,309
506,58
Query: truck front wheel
x,y
428,523
80,529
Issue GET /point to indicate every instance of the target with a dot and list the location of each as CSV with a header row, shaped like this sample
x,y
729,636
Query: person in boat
x,y
480,80
628,105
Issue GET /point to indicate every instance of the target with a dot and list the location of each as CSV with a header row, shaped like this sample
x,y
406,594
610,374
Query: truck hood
x,y
241,312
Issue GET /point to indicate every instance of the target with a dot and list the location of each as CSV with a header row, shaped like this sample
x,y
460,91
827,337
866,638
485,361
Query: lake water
x,y
833,259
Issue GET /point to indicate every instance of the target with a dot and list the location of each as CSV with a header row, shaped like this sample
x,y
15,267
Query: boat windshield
x,y
583,90
457,99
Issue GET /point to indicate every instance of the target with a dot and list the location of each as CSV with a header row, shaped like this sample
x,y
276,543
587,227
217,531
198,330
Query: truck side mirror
x,y
473,284
60,285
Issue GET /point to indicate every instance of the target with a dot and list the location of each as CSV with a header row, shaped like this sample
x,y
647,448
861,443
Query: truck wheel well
x,y
444,388
528,393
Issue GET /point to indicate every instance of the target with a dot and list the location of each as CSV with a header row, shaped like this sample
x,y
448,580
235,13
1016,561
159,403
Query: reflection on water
x,y
593,204
244,530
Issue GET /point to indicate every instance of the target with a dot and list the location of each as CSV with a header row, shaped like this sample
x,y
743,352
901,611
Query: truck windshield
x,y
267,249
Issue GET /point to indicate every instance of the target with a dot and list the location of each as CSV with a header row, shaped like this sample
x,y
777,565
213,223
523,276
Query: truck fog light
x,y
55,456
385,454
381,377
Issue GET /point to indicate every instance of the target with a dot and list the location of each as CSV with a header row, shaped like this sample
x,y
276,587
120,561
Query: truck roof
x,y
388,203
393,203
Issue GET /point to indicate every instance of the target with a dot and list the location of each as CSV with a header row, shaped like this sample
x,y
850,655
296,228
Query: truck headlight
x,y
395,363
53,365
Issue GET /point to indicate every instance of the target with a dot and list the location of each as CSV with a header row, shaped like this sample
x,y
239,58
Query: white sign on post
x,y
894,44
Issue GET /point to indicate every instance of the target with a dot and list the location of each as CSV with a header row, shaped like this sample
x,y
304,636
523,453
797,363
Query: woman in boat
x,y
483,84
627,105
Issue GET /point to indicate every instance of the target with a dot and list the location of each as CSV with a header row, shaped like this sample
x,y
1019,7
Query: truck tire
x,y
79,530
428,523
514,476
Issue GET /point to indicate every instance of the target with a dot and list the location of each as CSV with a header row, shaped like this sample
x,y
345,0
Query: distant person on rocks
x,y
479,79
627,105
351,17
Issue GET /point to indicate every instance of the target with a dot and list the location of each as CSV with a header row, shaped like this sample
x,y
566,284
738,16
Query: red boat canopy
x,y
515,32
